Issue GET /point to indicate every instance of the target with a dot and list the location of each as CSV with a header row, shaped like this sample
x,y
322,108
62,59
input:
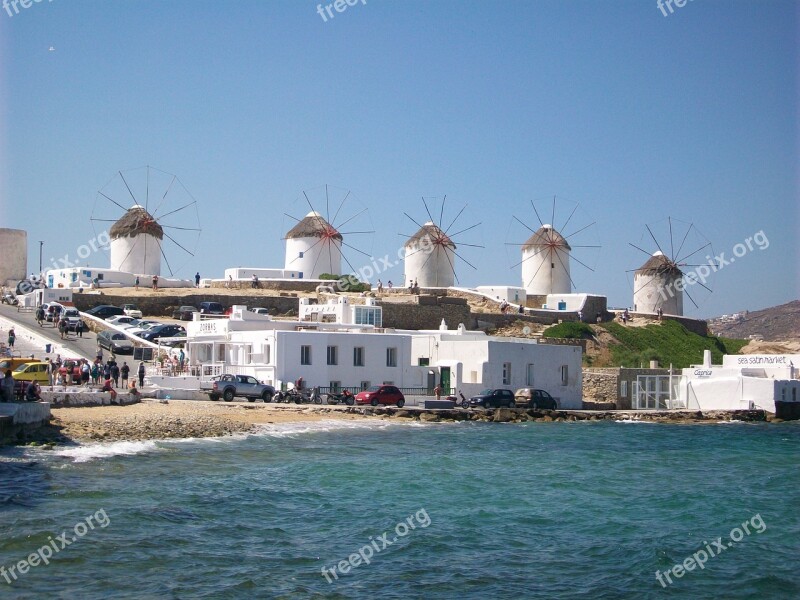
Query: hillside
x,y
774,324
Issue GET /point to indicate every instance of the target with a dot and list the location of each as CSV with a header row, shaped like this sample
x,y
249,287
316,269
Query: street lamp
x,y
41,243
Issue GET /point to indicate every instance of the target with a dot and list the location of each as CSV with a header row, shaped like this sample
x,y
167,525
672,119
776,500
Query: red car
x,y
381,394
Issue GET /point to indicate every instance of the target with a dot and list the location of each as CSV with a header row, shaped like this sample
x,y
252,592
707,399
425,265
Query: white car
x,y
131,311
141,326
120,320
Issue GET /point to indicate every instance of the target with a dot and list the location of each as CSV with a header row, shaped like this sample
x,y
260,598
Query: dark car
x,y
115,342
381,394
159,331
104,311
494,398
531,398
184,313
211,308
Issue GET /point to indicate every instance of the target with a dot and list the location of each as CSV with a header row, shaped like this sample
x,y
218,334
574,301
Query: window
x,y
506,373
364,385
529,376
333,355
423,361
335,386
305,355
623,389
267,349
391,357
368,315
564,374
300,255
358,356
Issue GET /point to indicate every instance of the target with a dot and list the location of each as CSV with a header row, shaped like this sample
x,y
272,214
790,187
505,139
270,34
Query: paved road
x,y
85,346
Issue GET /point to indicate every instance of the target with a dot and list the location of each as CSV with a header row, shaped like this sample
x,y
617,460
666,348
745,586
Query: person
x,y
181,360
80,327
108,388
140,372
32,392
390,284
95,372
229,282
115,374
52,369
197,279
410,286
503,307
347,396
380,286
86,372
12,337
416,285
660,313
438,391
133,391
624,317
99,355
124,371
315,396
521,309
580,315
599,317
155,282
298,385
40,315
62,328
136,283
254,282
7,387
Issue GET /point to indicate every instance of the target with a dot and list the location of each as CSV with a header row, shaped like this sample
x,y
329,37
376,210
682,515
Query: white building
x,y
246,274
545,263
82,277
340,345
430,258
313,247
657,284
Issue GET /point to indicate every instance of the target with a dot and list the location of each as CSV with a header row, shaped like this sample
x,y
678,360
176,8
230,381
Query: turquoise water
x,y
538,510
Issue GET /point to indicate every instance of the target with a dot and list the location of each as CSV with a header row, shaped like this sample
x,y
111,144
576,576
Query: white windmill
x,y
430,254
314,243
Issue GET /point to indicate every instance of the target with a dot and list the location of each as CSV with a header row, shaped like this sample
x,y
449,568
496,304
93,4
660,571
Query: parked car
x,y
142,326
260,311
120,320
51,310
184,313
211,308
176,343
104,311
159,331
31,371
493,398
132,311
115,342
9,298
532,398
228,387
381,394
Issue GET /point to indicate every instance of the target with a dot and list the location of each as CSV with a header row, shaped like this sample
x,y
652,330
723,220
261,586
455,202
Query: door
x,y
444,379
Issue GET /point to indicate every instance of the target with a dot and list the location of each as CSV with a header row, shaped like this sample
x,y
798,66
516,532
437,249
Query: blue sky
x,y
635,116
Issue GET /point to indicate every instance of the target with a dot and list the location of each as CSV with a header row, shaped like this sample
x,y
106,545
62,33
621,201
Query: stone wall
x,y
425,316
697,326
292,285
600,386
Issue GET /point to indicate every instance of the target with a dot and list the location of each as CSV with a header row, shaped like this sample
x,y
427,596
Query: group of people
x,y
505,308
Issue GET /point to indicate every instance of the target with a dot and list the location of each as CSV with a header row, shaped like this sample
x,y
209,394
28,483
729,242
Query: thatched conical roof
x,y
659,264
546,236
313,225
433,233
134,222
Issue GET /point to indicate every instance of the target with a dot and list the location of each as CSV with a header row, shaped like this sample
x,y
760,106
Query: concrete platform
x,y
20,418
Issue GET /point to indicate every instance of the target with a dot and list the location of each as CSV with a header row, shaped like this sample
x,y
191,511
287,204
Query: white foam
x,y
325,425
98,451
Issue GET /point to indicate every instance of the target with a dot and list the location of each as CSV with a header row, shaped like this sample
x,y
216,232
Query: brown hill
x,y
778,323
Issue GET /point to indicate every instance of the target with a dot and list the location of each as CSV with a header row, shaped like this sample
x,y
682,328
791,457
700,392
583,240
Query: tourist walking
x,y
115,374
136,283
12,337
124,371
86,373
40,315
181,360
197,279
62,328
155,283
95,374
141,374
380,286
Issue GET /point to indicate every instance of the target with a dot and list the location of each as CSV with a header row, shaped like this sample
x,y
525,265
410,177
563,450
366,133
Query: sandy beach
x,y
153,419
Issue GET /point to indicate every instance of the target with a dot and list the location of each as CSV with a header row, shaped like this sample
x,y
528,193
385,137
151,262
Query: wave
x,y
89,452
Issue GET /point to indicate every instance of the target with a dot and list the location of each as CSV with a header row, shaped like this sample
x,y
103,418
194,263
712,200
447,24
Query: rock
x,y
503,415
429,417
404,414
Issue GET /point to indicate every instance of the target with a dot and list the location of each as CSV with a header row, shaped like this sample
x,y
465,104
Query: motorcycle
x,y
333,398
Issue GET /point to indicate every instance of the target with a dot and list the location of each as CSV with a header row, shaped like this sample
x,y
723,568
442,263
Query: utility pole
x,y
41,244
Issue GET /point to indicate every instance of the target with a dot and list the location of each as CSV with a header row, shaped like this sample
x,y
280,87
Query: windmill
x,y
430,253
315,240
659,284
546,254
163,220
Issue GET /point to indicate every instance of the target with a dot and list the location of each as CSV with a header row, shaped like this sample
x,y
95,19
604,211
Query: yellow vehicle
x,y
13,363
31,371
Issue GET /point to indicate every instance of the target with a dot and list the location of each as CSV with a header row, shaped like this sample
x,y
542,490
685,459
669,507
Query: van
x,y
211,308
13,363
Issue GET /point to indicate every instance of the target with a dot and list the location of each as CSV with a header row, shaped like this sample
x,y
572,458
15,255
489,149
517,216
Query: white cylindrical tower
x,y
314,247
654,286
430,258
136,243
545,263
14,253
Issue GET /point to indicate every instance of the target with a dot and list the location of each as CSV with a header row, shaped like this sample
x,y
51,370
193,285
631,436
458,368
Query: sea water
x,y
372,509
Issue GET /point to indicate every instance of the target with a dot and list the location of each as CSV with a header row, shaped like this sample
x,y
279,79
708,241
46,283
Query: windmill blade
x,y
352,268
358,214
671,245
166,261
464,230
582,246
164,197
685,291
569,218
695,252
700,283
291,217
541,223
541,264
414,220
436,249
579,230
103,220
147,190
637,247
341,204
553,218
327,206
530,256
319,241
129,188
172,212
355,232
356,249
683,241
525,226
177,244
463,259
581,263
135,241
427,210
441,213
470,245
654,238
114,201
456,219
569,276
313,212
316,260
452,268
181,228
